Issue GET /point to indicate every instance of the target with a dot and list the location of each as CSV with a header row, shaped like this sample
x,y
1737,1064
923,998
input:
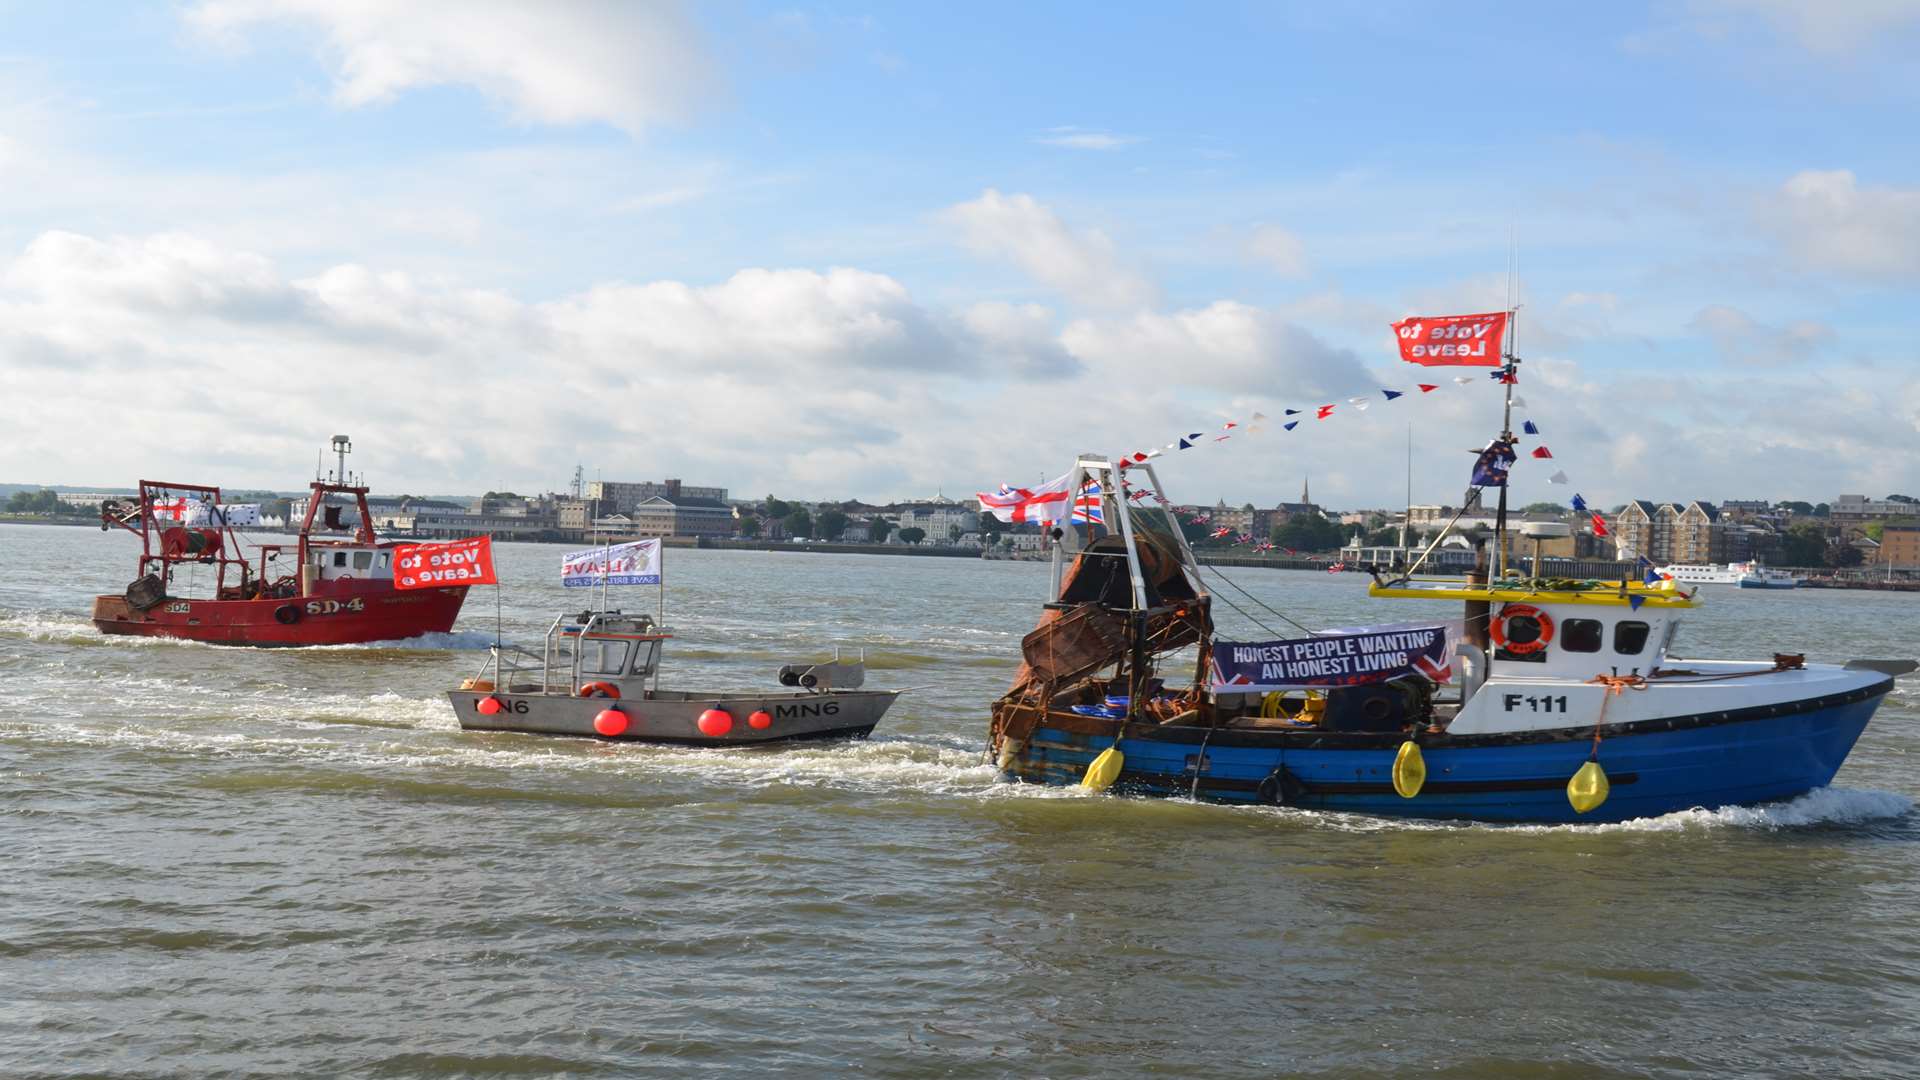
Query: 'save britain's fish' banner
x,y
636,563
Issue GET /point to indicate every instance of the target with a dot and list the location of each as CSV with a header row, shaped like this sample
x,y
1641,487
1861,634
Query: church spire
x,y
1306,498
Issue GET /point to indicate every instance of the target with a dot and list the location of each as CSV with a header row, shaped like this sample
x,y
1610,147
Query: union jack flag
x,y
1221,533
1440,671
1086,507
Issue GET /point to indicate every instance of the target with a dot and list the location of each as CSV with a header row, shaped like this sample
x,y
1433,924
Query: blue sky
x,y
881,250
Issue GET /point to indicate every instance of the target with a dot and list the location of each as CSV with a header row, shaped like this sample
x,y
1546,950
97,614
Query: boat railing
x,y
503,680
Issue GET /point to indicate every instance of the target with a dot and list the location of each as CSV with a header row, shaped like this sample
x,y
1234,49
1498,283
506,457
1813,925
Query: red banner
x,y
1452,340
432,566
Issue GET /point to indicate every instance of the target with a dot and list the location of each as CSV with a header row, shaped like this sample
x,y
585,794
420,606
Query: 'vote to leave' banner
x,y
457,562
1452,340
1340,658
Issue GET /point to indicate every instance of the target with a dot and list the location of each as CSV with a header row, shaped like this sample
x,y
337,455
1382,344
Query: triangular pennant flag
x,y
1530,427
1599,525
1154,453
1221,438
1259,416
1139,456
1185,445
1426,388
1323,412
1579,504
1229,425
1558,477
1196,435
1291,424
1361,404
1391,394
1463,379
1519,402
1542,452
1634,602
1293,412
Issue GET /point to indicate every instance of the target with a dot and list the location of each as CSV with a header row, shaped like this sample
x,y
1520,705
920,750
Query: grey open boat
x,y
599,678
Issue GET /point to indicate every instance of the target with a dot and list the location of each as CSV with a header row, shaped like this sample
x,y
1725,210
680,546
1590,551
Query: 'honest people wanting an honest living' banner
x,y
1336,658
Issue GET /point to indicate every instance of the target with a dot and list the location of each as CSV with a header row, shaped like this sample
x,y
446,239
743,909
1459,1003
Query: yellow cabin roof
x,y
1664,595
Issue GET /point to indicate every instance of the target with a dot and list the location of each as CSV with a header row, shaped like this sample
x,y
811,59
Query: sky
x,y
884,251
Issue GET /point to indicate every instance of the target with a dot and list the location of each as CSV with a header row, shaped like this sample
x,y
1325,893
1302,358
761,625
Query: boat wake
x,y
67,628
452,641
1823,807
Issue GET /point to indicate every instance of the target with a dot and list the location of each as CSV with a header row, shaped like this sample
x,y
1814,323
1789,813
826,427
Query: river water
x,y
225,862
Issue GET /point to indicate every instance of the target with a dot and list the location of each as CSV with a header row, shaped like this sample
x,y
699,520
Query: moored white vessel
x,y
1755,576
1700,574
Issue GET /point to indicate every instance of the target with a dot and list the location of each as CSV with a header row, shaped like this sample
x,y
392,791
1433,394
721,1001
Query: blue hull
x,y
1484,778
1768,585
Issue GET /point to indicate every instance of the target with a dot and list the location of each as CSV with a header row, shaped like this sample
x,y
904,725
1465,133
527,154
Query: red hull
x,y
336,616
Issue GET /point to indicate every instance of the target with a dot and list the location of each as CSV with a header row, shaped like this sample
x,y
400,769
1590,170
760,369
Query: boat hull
x,y
341,617
673,717
1655,767
1747,583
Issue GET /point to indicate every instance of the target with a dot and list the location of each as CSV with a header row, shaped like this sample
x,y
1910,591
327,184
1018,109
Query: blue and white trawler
x,y
1548,701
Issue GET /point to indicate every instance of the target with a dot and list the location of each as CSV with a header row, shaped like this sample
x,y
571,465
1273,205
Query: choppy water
x,y
234,863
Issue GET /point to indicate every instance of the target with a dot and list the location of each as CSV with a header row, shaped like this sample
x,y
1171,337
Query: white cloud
x,y
1226,345
631,65
1820,26
1020,337
1828,222
1740,340
1082,264
1083,139
211,361
1278,249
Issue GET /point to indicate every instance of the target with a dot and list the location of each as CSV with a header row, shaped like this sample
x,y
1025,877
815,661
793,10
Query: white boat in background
x,y
1755,576
1694,574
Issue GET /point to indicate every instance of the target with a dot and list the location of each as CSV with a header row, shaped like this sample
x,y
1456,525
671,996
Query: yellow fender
x,y
1409,770
1104,770
1588,788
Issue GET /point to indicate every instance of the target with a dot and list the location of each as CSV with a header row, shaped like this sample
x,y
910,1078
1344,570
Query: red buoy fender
x,y
610,722
600,689
715,722
760,720
1501,637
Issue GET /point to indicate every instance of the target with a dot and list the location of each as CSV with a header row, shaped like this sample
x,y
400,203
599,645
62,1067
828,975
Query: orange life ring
x,y
1541,620
600,689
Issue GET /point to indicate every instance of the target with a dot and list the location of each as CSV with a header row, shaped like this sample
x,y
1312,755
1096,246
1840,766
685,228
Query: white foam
x,y
1822,806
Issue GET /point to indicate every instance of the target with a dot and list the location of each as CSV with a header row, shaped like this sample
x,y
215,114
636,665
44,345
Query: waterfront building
x,y
619,496
1899,547
1669,533
682,515
940,519
1860,510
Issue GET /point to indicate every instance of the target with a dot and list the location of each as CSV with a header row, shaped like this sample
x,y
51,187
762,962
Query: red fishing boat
x,y
333,586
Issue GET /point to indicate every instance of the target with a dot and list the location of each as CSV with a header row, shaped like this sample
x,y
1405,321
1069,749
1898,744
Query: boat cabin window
x,y
386,558
1581,635
339,558
645,654
603,657
362,560
1629,638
